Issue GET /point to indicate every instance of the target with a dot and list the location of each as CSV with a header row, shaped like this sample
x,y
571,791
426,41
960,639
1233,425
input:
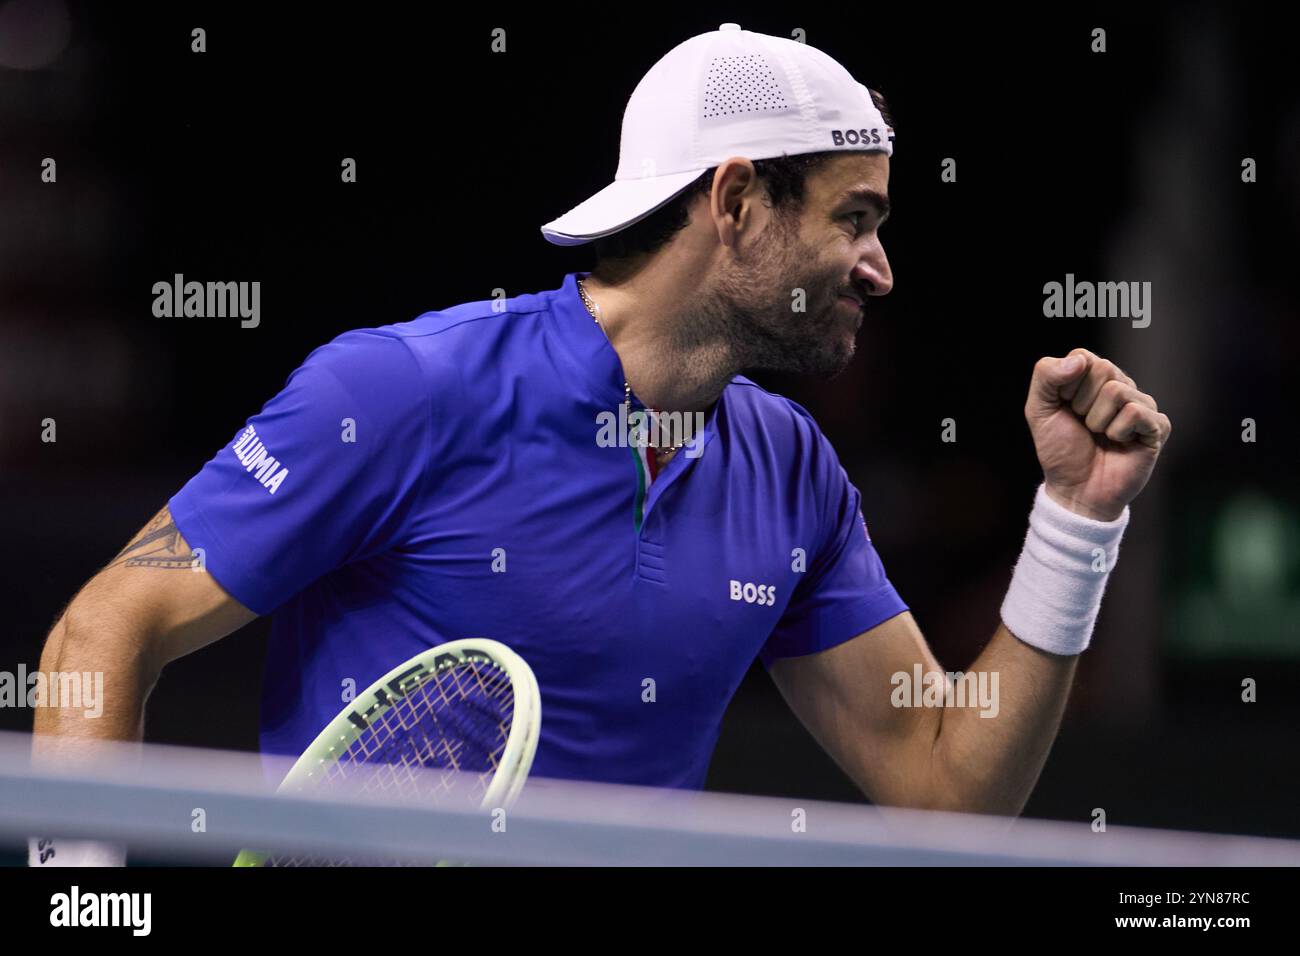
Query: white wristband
x,y
1056,589
47,851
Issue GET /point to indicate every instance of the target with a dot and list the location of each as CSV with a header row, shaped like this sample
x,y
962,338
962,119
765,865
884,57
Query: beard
x,y
749,311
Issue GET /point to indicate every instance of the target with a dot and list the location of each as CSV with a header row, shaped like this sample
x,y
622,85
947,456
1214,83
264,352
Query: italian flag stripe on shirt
x,y
647,470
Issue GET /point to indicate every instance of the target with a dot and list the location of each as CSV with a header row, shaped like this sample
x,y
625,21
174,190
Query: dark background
x,y
1118,166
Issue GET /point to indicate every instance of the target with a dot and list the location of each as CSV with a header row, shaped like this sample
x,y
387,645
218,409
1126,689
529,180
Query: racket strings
x,y
456,719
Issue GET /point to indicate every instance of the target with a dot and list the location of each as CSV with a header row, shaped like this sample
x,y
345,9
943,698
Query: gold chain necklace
x,y
594,311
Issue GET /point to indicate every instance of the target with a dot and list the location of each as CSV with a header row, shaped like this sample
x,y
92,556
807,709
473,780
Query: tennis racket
x,y
471,707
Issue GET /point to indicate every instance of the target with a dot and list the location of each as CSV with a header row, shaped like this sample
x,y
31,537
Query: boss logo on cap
x,y
854,137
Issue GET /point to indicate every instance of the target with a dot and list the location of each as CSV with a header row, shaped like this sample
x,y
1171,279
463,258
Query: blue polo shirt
x,y
444,478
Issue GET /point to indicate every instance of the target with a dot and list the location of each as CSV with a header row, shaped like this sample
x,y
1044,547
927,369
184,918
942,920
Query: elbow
x,y
93,639
928,778
941,796
986,797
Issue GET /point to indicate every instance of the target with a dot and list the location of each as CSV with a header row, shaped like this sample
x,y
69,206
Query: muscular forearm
x,y
147,607
1097,438
108,656
991,758
986,760
97,661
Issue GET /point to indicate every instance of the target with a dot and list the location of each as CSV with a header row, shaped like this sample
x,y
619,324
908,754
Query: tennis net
x,y
201,806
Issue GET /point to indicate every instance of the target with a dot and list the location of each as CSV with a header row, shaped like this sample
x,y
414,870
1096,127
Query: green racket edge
x,y
516,760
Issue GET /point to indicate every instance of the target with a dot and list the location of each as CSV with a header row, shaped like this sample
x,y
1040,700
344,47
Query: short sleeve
x,y
845,590
325,474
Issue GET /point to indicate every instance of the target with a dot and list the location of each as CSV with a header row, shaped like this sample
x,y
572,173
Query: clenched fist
x,y
1097,435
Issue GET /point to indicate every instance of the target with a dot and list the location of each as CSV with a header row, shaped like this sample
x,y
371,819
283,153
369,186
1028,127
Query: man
x,y
454,476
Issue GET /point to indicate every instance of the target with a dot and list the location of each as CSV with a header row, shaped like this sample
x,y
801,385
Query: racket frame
x,y
356,718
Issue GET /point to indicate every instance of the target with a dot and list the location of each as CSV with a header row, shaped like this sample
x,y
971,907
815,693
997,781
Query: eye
x,y
856,219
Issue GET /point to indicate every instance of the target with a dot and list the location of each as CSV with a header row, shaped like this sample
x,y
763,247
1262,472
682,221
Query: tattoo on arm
x,y
159,545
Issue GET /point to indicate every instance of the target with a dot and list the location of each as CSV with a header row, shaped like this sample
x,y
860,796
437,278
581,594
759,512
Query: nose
x,y
871,273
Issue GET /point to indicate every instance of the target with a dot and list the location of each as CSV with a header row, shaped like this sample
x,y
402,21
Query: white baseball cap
x,y
726,93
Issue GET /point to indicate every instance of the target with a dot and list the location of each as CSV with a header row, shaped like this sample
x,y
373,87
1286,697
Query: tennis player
x,y
455,476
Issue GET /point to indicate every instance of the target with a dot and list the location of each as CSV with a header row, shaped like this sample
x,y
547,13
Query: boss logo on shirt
x,y
764,594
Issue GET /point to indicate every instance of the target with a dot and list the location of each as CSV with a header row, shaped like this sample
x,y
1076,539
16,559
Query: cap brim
x,y
615,207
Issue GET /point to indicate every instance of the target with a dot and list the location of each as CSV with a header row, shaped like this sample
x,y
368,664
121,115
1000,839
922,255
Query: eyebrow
x,y
870,197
